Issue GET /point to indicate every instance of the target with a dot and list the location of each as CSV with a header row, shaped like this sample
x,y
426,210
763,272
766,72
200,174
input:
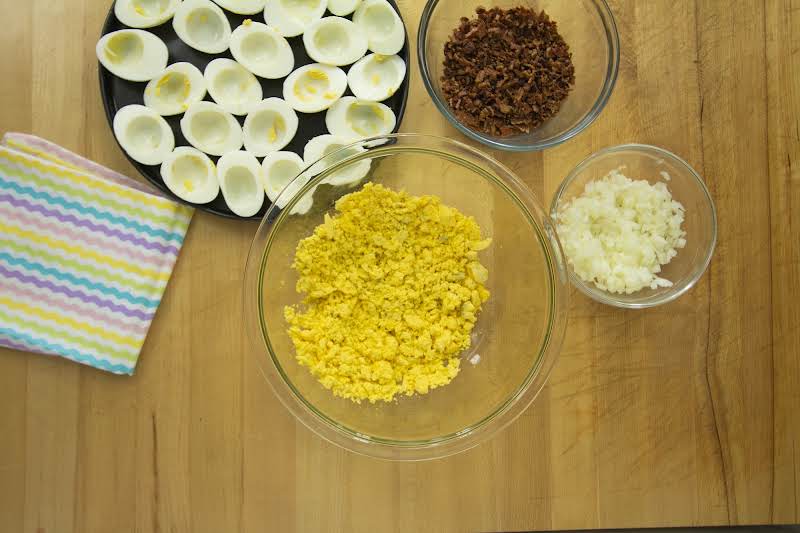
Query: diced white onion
x,y
620,232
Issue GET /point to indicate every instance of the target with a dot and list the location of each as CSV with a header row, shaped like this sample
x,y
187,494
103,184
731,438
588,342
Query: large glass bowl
x,y
641,161
587,26
517,336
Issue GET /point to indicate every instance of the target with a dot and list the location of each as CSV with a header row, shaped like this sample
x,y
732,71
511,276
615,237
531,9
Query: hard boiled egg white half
x,y
262,50
382,25
243,7
376,77
280,169
315,87
351,118
202,25
211,129
269,127
341,8
179,86
241,182
292,17
305,203
191,175
335,41
323,145
145,13
232,86
133,55
143,134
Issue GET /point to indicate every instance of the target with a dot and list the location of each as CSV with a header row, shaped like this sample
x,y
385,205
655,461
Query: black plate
x,y
117,93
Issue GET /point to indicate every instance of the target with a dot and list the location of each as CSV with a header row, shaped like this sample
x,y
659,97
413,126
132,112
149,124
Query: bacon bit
x,y
506,71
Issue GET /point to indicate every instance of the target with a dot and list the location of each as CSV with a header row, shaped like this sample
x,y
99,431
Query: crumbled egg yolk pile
x,y
393,287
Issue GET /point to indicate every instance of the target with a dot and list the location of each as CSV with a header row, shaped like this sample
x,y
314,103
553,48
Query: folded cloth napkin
x,y
85,255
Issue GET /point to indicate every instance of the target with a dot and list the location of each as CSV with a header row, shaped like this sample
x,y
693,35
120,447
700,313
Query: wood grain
x,y
682,415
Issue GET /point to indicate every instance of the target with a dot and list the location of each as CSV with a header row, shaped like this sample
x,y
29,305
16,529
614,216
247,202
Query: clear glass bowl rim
x,y
612,35
462,440
608,298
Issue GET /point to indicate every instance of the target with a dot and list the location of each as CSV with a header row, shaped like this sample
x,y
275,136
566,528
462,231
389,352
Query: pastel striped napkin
x,y
85,255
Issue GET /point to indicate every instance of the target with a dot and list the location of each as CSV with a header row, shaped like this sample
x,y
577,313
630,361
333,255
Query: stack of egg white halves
x,y
259,50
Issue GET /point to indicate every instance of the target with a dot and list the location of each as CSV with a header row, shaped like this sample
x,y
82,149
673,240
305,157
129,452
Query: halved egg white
x,y
145,13
179,86
341,8
232,86
382,26
315,87
143,134
323,145
305,204
191,175
351,118
335,41
243,7
279,169
269,126
240,179
202,25
133,55
262,50
376,77
211,129
292,17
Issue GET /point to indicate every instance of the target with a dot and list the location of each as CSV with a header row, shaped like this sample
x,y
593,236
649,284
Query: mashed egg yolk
x,y
392,288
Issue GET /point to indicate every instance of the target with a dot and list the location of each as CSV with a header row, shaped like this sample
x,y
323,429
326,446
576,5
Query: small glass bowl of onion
x,y
605,248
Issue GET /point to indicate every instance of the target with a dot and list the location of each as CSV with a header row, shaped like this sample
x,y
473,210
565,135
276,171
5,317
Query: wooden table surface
x,y
687,414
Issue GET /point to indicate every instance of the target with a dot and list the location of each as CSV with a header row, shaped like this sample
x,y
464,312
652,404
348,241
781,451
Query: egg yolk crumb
x,y
392,288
